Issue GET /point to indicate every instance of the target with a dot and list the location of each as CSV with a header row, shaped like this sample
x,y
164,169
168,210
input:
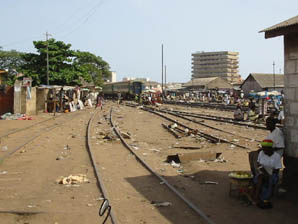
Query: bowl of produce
x,y
241,175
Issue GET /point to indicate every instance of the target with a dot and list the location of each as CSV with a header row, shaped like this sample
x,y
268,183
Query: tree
x,y
66,67
61,70
11,61
92,67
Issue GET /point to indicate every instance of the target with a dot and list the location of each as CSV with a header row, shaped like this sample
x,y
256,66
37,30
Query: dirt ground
x,y
28,177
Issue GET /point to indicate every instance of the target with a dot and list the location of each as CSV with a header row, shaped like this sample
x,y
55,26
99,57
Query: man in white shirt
x,y
276,135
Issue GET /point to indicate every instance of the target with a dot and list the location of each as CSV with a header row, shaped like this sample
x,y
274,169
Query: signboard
x,y
27,82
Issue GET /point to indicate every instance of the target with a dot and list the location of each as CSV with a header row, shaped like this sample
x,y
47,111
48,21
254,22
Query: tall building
x,y
222,64
112,77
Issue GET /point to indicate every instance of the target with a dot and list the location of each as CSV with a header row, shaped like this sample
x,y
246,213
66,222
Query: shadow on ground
x,y
214,200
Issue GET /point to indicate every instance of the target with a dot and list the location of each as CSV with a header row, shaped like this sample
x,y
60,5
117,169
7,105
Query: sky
x,y
128,34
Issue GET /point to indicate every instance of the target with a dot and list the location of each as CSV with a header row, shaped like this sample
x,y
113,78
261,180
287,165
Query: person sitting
x,y
252,115
238,114
281,115
266,176
276,135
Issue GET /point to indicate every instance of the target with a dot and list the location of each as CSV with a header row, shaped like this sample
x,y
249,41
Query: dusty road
x,y
28,177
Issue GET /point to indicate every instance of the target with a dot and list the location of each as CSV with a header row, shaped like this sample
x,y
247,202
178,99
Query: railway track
x,y
219,119
217,106
98,177
205,125
28,170
25,128
210,137
100,181
155,182
26,135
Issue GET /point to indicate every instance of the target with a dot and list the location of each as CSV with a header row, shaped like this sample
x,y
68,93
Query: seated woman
x,y
252,115
266,176
238,114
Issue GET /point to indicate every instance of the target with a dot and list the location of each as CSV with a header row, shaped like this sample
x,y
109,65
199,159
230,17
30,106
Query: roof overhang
x,y
284,28
281,31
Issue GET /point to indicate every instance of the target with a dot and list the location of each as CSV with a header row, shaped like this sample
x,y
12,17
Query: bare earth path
x,y
28,177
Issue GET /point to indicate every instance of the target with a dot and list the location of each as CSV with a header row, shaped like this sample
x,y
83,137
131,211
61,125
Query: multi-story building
x,y
112,77
222,64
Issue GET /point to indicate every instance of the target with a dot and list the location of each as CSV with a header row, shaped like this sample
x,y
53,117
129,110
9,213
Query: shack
x,y
257,82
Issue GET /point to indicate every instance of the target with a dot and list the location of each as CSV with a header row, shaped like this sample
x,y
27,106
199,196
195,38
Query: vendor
x,y
276,135
238,114
252,115
278,143
266,176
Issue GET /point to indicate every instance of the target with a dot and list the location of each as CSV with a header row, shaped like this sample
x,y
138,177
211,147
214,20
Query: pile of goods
x,y
10,116
241,175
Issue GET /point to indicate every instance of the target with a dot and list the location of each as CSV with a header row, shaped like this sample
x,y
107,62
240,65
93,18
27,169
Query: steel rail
x,y
99,180
10,152
220,119
212,118
21,129
205,125
202,134
208,105
172,188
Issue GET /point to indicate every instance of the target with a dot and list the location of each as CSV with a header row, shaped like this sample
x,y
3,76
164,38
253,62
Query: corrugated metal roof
x,y
199,81
267,80
289,22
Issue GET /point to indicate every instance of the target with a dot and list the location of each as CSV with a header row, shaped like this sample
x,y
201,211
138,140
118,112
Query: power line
x,y
20,41
81,21
85,18
71,16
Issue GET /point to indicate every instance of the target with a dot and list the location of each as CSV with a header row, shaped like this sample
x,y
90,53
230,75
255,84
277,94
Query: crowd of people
x,y
70,99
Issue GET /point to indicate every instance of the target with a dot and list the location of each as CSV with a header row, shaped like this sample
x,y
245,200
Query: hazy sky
x,y
128,33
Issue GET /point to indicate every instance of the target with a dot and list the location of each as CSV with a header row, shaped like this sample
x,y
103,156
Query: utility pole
x,y
165,76
162,70
47,38
273,75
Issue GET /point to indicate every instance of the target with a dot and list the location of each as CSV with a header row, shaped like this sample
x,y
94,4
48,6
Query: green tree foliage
x,y
66,67
92,67
61,70
11,61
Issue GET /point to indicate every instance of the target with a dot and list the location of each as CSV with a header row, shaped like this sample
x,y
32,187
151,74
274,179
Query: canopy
x,y
264,94
149,91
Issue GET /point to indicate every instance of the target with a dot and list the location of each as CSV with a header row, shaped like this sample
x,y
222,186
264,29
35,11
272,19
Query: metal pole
x,y
162,70
47,58
273,75
165,76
